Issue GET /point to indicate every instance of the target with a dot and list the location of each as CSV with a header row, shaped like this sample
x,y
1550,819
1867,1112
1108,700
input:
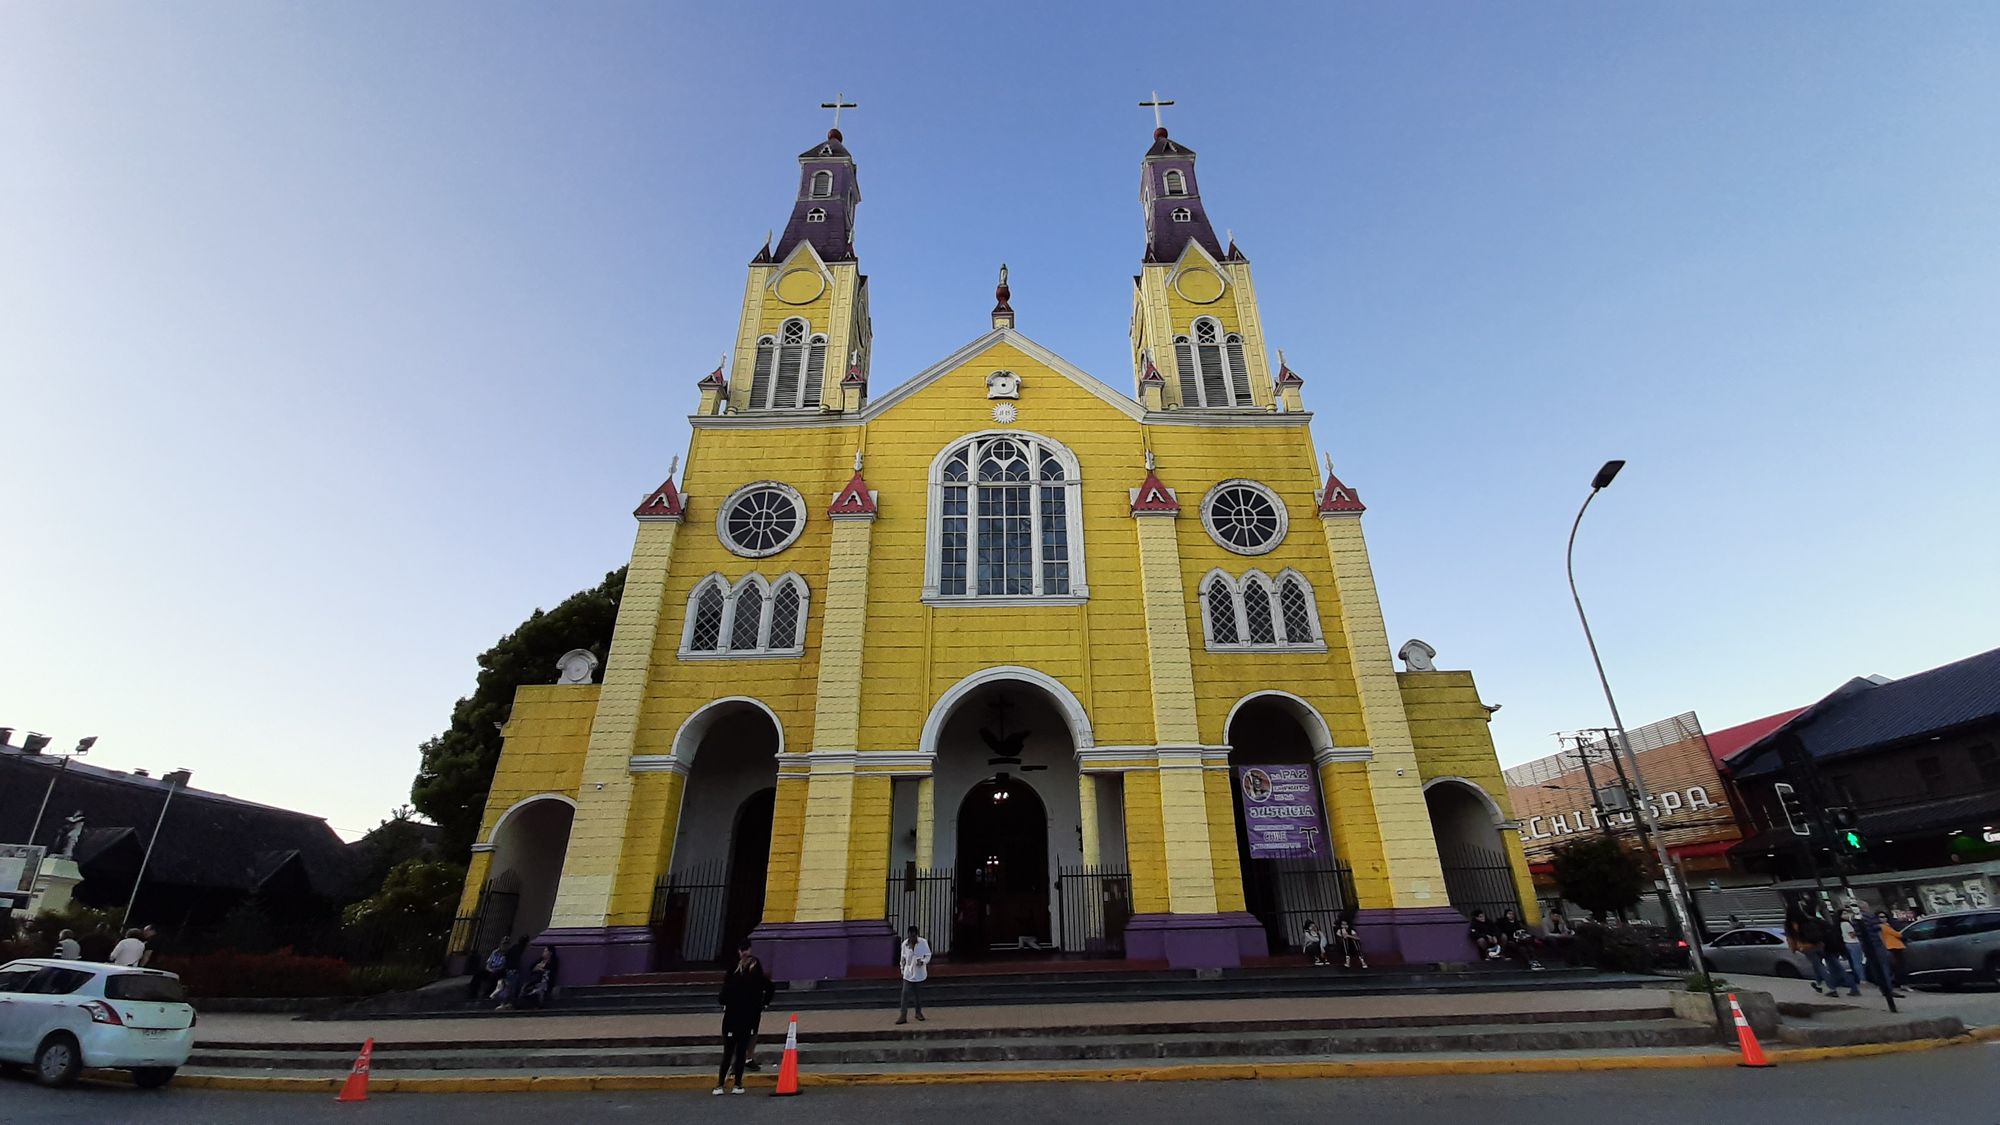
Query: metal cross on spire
x,y
1155,105
838,103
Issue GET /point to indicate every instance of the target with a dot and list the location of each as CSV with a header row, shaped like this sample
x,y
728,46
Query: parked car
x,y
1756,949
1951,949
1668,951
61,1016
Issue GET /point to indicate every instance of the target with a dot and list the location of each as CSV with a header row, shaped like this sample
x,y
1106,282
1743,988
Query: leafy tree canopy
x,y
457,767
408,920
1599,874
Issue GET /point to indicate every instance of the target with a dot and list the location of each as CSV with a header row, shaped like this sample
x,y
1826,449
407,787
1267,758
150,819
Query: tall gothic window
x,y
1005,520
1257,612
751,618
1212,368
790,368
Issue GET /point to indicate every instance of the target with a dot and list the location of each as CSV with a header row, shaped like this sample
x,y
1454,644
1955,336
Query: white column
x,y
926,822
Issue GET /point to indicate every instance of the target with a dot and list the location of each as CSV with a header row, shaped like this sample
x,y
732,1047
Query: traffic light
x,y
1794,809
1846,828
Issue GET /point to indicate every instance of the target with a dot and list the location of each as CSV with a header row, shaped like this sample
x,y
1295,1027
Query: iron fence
x,y
925,898
1477,878
688,917
1302,890
1093,903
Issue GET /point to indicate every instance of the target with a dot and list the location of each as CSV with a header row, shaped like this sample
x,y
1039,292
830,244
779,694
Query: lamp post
x,y
174,781
1647,821
82,747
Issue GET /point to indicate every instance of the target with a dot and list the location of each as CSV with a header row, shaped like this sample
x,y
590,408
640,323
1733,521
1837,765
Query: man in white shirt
x,y
129,951
916,959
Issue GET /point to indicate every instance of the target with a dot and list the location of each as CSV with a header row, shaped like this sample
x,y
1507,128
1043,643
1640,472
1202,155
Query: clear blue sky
x,y
336,337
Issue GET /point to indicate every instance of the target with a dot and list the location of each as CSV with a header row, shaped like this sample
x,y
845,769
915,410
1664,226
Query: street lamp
x,y
1648,821
175,781
82,747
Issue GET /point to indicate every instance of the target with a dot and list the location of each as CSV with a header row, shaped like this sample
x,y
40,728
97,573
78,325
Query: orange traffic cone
x,y
355,1089
788,1071
1753,1055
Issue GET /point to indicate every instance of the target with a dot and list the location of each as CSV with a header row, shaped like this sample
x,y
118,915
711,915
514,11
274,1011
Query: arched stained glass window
x,y
1006,520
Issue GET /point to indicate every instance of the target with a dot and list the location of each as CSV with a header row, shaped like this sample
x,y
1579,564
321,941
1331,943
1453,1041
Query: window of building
x,y
822,185
1244,517
816,215
760,519
1932,772
1005,521
790,368
1986,760
751,618
1182,215
1175,183
1258,612
1212,368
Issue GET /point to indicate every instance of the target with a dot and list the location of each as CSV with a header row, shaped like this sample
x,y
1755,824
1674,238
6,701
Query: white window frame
x,y
1235,370
1278,502
729,502
1183,215
768,589
770,357
1072,484
1275,587
816,215
1174,183
822,185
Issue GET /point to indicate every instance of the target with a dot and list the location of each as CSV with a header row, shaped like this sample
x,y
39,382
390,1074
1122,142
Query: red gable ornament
x,y
664,503
1153,496
1338,499
854,500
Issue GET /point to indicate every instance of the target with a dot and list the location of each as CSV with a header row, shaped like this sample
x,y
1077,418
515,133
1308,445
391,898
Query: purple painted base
x,y
1194,941
589,954
1415,935
793,951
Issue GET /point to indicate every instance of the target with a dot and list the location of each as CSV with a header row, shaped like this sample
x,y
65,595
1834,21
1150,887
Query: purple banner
x,y
1281,812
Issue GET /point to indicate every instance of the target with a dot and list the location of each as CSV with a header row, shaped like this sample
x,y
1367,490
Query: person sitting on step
x,y
1348,941
1313,944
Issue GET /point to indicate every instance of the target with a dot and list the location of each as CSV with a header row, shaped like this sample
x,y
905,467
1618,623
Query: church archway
x,y
714,891
1011,733
1466,822
528,845
1278,733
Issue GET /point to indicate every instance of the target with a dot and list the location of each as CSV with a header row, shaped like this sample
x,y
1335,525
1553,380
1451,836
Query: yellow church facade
x,y
1042,665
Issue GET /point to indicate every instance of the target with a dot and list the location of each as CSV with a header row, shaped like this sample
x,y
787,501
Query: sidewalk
x,y
237,1028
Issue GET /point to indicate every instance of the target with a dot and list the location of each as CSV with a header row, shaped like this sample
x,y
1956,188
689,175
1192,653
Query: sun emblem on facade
x,y
1005,413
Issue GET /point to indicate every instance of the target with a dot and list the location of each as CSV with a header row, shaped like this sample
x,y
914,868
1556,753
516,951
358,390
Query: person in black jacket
x,y
745,992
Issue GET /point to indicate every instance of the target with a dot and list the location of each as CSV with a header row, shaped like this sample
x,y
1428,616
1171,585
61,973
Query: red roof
x,y
1724,744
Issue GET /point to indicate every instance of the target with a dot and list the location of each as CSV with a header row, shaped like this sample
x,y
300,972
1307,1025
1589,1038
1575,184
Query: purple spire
x,y
1172,200
824,212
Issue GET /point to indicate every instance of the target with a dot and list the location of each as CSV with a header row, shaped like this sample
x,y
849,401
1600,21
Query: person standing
x,y
1834,954
745,992
130,950
1891,932
67,948
1850,940
147,934
915,956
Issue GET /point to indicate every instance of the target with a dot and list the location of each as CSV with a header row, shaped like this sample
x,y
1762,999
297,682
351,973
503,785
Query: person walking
x,y
1850,940
1348,942
1313,944
745,992
915,958
1802,935
1834,953
67,948
1891,931
130,950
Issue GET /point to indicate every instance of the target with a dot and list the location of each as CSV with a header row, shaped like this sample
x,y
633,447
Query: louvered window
x,y
1239,372
815,371
1190,374
760,377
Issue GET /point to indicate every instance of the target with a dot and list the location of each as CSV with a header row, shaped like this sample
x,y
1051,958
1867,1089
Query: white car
x,y
61,1016
1757,949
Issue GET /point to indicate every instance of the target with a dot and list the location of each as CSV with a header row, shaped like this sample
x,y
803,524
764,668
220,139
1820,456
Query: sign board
x,y
19,864
1281,812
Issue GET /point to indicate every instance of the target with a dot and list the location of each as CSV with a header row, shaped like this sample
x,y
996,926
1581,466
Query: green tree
x,y
1598,874
457,767
402,836
408,920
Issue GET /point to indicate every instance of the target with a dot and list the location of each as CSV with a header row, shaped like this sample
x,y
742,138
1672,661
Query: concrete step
x,y
957,1048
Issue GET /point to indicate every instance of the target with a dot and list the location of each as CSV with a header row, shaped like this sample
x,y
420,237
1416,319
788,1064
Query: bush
x,y
281,974
96,931
1706,982
373,980
1619,949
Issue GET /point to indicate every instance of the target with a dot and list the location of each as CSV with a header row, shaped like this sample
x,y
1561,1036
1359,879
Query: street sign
x,y
19,864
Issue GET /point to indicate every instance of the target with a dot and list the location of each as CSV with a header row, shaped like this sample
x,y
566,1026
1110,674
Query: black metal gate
x,y
688,917
1093,903
491,922
1295,891
924,898
1477,878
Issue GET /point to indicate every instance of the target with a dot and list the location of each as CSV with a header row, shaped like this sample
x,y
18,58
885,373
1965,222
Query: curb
x,y
1199,1072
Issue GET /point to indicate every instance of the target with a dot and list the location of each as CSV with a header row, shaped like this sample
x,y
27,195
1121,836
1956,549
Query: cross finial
x,y
1155,105
674,467
1329,463
857,460
1149,460
838,103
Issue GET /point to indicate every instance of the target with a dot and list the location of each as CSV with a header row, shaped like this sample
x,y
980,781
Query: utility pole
x,y
1582,747
174,781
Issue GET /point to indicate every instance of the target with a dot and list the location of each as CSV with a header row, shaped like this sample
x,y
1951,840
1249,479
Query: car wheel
x,y
152,1077
1785,970
59,1061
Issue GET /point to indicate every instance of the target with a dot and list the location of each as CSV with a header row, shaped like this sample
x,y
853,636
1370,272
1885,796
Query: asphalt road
x,y
1950,1086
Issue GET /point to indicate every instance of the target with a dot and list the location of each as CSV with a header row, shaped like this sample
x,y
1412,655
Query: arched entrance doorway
x,y
1003,868
713,895
528,846
1290,873
1008,813
1466,824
